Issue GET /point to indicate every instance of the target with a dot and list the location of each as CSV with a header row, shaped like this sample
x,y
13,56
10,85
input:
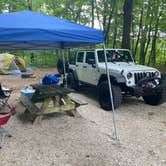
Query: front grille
x,y
139,76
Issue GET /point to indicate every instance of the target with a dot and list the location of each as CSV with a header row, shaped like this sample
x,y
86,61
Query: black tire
x,y
155,99
104,96
71,82
60,66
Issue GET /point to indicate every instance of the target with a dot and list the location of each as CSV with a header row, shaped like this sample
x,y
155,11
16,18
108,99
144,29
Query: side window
x,y
72,58
80,57
90,56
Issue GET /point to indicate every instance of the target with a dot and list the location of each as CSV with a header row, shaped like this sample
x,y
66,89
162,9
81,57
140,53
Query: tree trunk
x,y
144,31
92,16
115,29
139,31
29,4
92,6
98,15
133,38
104,19
142,53
153,50
148,37
108,28
154,39
127,8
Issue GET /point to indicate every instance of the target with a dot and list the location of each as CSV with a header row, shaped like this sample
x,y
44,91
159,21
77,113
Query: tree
x,y
144,18
127,9
158,13
144,31
92,13
139,31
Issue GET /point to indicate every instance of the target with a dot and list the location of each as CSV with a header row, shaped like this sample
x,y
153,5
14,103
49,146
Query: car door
x,y
90,69
79,65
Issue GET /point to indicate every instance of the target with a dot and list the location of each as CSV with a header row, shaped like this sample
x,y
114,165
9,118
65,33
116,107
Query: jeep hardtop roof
x,y
99,49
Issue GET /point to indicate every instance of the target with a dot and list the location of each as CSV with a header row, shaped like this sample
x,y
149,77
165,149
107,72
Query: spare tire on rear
x,y
60,66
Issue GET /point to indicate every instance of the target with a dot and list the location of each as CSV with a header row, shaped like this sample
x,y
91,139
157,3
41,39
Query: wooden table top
x,y
44,91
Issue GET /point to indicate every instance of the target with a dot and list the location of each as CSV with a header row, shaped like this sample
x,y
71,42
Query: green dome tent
x,y
10,63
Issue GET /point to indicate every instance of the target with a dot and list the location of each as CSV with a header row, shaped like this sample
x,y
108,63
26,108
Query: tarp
x,y
32,30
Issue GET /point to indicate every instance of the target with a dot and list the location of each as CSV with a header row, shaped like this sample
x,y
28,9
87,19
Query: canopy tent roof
x,y
32,30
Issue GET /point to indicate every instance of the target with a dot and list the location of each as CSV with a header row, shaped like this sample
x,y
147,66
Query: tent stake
x,y
110,90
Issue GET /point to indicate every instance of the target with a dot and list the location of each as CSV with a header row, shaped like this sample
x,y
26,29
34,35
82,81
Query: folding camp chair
x,y
4,97
5,116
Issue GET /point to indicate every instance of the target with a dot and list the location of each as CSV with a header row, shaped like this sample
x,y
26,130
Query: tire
x,y
155,99
104,96
71,82
60,66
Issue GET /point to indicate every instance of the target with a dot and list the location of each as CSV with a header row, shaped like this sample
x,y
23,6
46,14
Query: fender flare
x,y
115,79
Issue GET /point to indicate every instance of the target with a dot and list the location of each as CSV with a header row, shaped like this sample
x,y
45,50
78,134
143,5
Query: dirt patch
x,y
62,140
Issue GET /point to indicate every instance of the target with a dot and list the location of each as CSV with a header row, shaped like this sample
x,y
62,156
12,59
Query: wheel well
x,y
104,78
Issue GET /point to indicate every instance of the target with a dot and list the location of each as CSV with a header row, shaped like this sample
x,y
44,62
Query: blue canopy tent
x,y
27,30
32,30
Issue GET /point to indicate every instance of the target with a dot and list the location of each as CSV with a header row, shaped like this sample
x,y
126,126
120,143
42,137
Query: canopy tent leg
x,y
111,95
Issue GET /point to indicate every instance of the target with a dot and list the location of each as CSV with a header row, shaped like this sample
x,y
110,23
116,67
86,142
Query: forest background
x,y
138,25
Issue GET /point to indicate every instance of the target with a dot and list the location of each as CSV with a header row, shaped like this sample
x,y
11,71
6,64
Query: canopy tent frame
x,y
31,30
110,92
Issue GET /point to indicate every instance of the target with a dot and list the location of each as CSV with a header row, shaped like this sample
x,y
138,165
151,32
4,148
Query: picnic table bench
x,y
53,98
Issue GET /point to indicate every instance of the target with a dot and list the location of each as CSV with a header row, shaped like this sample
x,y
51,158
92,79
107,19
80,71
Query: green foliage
x,y
110,14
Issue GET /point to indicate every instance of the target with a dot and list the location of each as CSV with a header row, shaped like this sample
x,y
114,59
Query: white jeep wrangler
x,y
127,78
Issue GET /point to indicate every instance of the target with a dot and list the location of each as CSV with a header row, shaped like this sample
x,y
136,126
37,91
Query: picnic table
x,y
53,98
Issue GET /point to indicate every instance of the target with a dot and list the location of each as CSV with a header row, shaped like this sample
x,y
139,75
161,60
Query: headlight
x,y
157,74
129,75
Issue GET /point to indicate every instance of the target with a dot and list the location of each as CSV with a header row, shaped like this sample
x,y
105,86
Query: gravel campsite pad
x,y
62,140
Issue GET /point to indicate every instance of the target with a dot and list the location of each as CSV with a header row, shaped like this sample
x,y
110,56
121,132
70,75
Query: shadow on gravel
x,y
90,92
25,117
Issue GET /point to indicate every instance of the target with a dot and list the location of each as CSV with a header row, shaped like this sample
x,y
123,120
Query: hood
x,y
132,67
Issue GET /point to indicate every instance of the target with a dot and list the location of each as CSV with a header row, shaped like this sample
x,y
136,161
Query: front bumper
x,y
148,87
139,91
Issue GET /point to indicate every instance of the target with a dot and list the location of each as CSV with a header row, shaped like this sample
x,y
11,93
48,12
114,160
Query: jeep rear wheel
x,y
155,99
104,96
71,82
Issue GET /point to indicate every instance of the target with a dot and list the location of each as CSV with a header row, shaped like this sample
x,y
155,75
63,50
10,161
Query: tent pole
x,y
110,91
64,75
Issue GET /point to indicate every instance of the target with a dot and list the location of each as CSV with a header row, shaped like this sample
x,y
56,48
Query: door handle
x,y
76,65
84,66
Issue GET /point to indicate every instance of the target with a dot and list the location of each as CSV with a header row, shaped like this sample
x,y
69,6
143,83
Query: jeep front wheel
x,y
104,96
71,82
155,99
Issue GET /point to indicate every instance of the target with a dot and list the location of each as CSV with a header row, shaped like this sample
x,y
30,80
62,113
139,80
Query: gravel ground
x,y
61,140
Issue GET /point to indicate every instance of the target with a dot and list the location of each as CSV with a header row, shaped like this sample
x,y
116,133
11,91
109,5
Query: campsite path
x,y
62,140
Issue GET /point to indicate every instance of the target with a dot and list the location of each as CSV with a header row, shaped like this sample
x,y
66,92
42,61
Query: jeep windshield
x,y
115,56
